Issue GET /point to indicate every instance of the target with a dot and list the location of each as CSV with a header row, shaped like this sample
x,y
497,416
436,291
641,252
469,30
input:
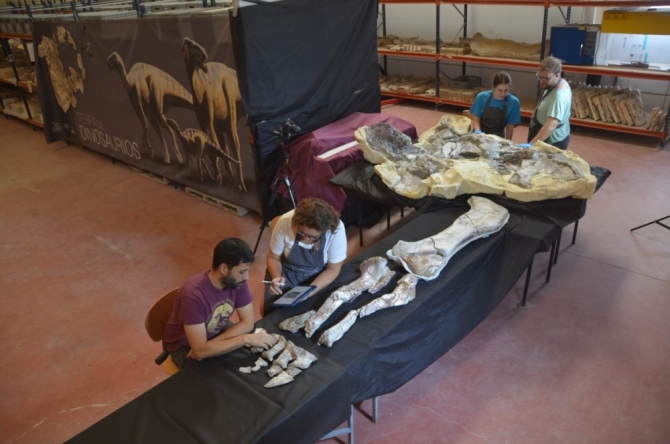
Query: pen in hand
x,y
280,284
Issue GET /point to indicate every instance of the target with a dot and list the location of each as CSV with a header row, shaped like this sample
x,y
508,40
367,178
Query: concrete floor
x,y
86,246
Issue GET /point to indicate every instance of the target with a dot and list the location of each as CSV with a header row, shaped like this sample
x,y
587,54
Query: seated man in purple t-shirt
x,y
198,327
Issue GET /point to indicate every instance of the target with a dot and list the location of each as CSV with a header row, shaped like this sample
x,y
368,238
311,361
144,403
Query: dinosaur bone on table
x,y
404,293
372,270
427,257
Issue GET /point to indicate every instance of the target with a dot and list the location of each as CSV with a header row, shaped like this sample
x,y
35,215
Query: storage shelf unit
x,y
21,87
598,70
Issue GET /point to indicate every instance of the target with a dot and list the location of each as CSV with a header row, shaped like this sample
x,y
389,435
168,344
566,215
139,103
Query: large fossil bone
x,y
295,323
448,161
427,257
372,270
382,282
334,333
509,49
404,293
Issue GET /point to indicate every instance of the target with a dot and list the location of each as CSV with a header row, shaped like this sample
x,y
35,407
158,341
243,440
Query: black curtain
x,y
312,61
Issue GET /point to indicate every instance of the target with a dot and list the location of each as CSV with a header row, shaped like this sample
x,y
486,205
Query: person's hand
x,y
525,145
477,131
190,355
277,285
263,340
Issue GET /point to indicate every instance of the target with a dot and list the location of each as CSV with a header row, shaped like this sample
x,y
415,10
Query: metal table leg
x,y
348,430
551,260
558,246
525,288
375,409
574,233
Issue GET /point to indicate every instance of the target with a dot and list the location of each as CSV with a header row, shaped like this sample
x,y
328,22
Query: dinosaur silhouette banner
x,y
162,95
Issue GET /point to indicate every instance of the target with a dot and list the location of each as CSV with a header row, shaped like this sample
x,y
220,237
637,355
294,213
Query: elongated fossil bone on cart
x,y
372,270
277,348
295,323
403,294
280,379
334,333
427,257
293,371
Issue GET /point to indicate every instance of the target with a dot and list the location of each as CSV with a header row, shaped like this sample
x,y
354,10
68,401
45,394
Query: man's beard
x,y
230,282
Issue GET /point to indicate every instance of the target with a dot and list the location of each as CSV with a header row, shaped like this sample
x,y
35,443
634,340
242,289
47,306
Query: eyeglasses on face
x,y
546,79
309,236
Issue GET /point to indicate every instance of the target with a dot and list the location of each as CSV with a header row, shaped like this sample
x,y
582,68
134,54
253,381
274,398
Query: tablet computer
x,y
294,295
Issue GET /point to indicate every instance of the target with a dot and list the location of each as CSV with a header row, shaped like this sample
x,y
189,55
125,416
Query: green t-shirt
x,y
557,104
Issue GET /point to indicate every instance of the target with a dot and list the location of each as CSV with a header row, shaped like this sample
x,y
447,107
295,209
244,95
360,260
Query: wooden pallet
x,y
149,175
217,202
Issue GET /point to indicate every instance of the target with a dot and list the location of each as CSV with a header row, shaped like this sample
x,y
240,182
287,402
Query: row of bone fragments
x,y
614,105
426,86
288,361
423,259
478,45
416,44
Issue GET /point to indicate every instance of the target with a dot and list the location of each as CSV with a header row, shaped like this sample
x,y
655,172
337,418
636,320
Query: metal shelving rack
x,y
598,70
22,87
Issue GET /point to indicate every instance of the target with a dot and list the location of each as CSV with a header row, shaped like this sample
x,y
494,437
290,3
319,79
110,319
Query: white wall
x,y
518,23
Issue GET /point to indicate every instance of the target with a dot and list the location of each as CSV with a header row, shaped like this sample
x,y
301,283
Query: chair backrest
x,y
159,315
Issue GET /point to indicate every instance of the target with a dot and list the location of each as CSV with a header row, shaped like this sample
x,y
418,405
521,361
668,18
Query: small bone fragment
x,y
426,258
245,369
295,323
382,282
403,294
293,371
280,379
334,333
269,355
273,371
286,356
303,358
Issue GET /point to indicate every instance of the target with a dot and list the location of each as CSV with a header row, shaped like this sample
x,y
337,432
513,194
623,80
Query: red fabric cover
x,y
309,175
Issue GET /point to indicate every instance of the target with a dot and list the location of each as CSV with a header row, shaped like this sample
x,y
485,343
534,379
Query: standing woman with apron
x,y
550,122
496,111
308,246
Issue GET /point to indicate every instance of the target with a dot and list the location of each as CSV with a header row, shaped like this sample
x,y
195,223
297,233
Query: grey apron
x,y
493,119
536,126
300,265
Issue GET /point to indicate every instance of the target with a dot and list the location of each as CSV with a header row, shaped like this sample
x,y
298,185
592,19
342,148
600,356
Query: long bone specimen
x,y
427,257
372,270
269,355
404,293
296,322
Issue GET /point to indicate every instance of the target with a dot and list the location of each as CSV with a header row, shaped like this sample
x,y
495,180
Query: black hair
x,y
232,252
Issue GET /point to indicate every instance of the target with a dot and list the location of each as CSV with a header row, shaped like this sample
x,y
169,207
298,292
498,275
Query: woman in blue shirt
x,y
496,111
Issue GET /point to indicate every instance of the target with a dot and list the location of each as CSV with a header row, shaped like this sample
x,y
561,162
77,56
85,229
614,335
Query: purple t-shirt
x,y
200,302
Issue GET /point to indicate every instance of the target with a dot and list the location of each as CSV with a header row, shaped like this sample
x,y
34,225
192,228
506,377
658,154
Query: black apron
x,y
536,126
493,119
300,265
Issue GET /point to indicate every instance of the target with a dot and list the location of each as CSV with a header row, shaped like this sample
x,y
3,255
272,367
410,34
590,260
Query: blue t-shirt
x,y
513,116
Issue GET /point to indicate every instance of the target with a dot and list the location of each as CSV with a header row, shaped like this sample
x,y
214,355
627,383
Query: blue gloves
x,y
477,131
525,145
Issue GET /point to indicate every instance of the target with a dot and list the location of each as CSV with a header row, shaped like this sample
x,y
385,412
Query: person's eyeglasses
x,y
309,236
546,79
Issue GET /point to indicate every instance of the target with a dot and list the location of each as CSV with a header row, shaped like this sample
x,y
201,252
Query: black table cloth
x,y
210,401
